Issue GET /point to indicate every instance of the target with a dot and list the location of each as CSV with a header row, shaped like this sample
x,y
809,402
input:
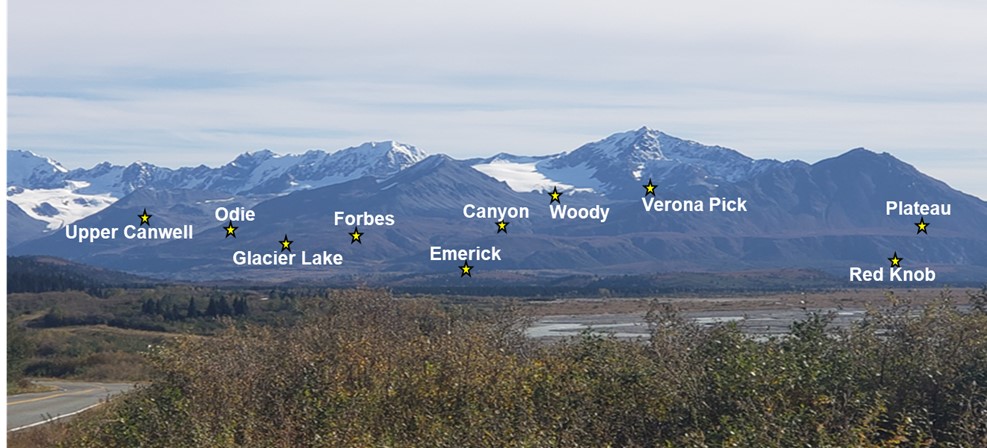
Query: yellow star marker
x,y
356,236
555,195
285,244
922,226
895,261
231,230
502,226
650,188
145,218
466,268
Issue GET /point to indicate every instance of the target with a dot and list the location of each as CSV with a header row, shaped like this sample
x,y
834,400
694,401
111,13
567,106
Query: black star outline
x,y
556,195
649,188
895,261
922,226
145,218
502,226
231,230
356,236
466,270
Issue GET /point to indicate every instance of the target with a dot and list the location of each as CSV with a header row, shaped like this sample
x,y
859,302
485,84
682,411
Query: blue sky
x,y
183,83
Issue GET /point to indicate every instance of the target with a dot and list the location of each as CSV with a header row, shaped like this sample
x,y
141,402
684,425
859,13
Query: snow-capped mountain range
x,y
826,215
610,165
48,192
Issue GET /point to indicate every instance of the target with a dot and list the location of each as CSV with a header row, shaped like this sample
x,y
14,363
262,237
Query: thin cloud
x,y
192,82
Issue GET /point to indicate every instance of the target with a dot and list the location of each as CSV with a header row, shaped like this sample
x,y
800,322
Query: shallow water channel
x,y
764,322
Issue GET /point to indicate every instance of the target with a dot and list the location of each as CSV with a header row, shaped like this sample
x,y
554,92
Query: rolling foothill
x,y
896,273
129,232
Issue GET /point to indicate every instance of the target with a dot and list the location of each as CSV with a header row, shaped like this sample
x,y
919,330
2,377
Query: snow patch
x,y
533,176
218,201
580,177
638,172
58,207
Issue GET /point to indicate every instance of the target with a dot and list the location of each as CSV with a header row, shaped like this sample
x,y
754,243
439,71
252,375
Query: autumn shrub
x,y
366,370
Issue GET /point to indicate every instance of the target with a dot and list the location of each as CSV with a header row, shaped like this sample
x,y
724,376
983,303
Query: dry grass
x,y
26,386
50,435
93,353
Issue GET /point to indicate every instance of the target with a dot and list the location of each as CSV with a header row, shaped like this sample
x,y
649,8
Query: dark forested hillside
x,y
43,274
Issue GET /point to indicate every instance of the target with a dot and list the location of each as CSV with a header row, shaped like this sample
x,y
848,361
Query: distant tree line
x,y
45,281
216,307
27,274
56,317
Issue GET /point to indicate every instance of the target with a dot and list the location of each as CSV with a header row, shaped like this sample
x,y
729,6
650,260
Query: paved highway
x,y
70,398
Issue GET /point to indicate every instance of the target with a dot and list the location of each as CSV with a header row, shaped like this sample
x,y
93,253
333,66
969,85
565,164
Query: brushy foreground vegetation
x,y
365,370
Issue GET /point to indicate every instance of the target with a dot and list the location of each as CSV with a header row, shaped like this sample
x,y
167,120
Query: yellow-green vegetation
x,y
365,370
24,386
51,434
92,353
76,335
